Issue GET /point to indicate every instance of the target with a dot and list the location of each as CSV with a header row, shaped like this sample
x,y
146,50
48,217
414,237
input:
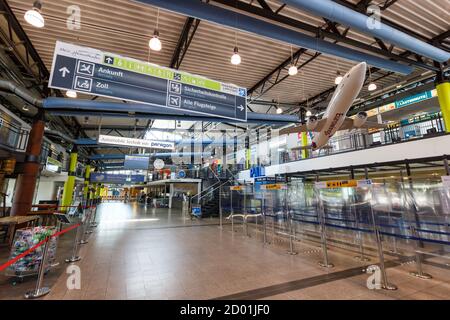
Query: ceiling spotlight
x,y
279,110
71,94
236,58
34,16
293,70
372,87
25,108
308,113
338,78
155,43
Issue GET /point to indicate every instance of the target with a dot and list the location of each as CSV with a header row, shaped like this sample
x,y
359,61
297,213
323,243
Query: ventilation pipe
x,y
74,107
21,92
60,135
348,17
204,11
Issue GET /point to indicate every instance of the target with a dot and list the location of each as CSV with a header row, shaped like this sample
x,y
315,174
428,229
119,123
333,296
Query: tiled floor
x,y
138,253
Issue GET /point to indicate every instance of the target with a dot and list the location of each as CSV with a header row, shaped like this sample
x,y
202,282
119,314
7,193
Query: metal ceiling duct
x,y
351,18
204,11
75,107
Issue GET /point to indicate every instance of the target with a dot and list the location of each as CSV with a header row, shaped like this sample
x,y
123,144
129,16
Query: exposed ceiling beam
x,y
264,5
186,36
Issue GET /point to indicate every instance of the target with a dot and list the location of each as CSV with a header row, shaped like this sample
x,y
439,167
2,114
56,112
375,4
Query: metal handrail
x,y
215,188
21,139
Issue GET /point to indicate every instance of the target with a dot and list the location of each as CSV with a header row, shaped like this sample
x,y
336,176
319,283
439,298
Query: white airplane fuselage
x,y
341,101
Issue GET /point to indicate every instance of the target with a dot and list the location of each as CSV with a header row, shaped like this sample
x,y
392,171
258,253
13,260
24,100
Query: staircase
x,y
209,197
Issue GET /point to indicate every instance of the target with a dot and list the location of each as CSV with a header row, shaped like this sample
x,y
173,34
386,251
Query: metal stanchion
x,y
263,212
220,206
244,213
84,227
232,210
93,223
325,263
385,284
419,273
40,291
75,257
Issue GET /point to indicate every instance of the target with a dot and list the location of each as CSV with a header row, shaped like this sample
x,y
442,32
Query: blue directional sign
x,y
94,72
98,177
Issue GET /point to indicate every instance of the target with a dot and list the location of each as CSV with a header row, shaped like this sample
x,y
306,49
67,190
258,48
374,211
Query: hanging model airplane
x,y
334,118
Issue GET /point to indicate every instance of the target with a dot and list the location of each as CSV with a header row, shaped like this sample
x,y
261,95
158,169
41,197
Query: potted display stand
x,y
25,239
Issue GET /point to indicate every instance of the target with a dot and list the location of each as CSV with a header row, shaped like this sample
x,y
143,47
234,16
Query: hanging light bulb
x,y
155,43
308,113
71,94
338,78
236,58
293,70
34,16
279,110
372,87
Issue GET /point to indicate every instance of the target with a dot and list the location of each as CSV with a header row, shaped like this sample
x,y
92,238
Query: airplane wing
x,y
303,128
348,124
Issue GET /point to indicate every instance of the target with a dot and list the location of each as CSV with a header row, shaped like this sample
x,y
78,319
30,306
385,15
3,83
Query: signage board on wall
x,y
132,142
91,71
136,162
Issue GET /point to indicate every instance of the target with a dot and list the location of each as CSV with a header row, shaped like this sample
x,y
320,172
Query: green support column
x,y
70,183
304,144
87,175
443,91
97,190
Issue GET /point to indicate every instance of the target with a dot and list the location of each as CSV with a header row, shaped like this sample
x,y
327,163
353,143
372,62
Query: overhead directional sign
x,y
92,71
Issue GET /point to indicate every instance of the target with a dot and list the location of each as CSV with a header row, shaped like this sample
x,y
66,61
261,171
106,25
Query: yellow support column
x,y
87,175
443,91
70,183
304,144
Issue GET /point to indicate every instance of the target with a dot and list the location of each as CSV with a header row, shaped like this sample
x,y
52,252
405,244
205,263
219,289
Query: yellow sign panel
x,y
342,184
237,188
276,186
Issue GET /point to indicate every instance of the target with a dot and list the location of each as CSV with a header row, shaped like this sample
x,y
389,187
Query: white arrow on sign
x,y
108,60
64,71
241,107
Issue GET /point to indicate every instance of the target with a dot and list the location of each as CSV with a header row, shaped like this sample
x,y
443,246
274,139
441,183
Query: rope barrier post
x,y
385,284
220,206
84,226
75,257
244,216
263,212
232,210
40,291
93,223
419,273
325,263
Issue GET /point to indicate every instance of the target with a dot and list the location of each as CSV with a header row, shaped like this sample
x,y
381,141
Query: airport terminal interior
x,y
225,150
